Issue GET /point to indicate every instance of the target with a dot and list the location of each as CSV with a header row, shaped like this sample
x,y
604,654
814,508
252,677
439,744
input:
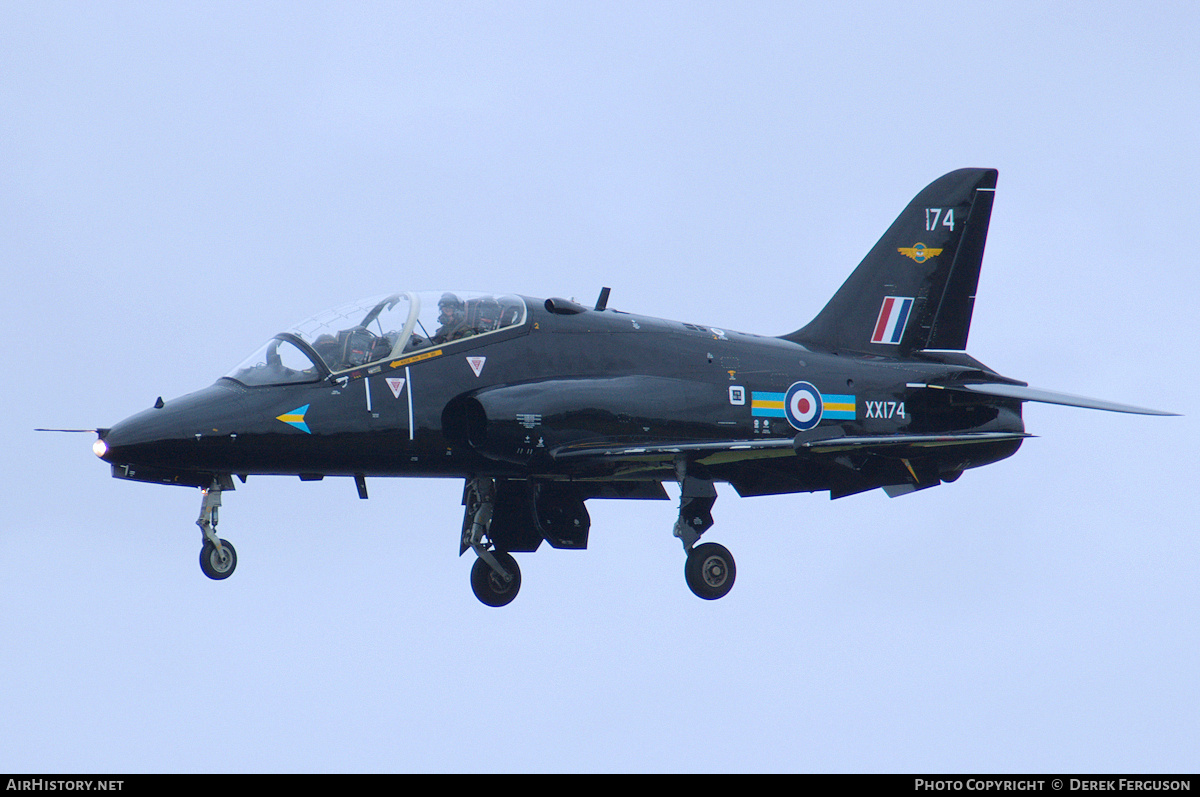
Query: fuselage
x,y
565,377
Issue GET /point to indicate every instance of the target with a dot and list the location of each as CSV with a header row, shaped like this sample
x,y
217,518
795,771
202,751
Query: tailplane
x,y
916,288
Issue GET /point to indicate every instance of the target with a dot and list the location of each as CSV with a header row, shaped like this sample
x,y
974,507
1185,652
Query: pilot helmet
x,y
450,305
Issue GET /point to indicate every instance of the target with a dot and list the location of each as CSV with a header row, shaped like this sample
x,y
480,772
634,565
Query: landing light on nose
x,y
100,448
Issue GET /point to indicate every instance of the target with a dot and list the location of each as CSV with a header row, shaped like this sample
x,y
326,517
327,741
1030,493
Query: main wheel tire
x,y
216,566
489,587
710,571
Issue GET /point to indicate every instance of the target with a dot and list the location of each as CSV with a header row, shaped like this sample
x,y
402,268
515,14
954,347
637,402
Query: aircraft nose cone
x,y
167,435
186,441
140,438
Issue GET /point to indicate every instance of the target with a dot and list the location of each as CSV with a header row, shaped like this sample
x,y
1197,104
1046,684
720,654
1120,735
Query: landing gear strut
x,y
495,576
710,569
217,557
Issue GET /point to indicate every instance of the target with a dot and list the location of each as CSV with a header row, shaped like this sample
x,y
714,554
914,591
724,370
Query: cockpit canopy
x,y
375,330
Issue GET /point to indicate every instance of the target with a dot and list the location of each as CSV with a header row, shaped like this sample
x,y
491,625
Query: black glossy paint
x,y
571,394
562,380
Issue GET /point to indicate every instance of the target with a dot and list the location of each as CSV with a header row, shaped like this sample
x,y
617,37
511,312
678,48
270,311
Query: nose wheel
x,y
218,563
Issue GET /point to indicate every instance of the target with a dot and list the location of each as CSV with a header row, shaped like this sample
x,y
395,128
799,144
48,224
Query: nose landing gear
x,y
217,557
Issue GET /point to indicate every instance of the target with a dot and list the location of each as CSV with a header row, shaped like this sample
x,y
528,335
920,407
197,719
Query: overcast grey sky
x,y
179,181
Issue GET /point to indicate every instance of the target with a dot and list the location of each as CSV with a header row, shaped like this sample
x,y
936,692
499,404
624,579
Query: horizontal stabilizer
x,y
1023,393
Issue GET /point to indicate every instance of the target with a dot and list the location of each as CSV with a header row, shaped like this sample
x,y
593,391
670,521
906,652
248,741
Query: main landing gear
x,y
495,576
710,569
217,557
492,530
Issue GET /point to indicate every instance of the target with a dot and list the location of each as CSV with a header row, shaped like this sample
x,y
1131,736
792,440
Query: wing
x,y
725,451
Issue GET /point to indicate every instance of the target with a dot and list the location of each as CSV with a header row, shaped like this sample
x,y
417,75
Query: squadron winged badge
x,y
559,404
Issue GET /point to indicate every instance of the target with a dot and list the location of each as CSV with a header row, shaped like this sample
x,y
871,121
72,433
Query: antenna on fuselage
x,y
602,302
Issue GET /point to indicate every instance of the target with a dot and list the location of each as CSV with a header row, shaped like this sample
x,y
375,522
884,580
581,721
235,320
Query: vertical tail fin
x,y
916,288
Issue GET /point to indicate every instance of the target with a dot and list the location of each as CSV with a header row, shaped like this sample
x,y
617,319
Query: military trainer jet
x,y
542,405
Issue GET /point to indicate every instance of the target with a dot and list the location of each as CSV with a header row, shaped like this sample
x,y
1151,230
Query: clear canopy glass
x,y
375,330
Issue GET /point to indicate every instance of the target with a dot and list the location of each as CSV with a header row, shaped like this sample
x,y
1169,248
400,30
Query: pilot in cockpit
x,y
452,316
353,347
326,347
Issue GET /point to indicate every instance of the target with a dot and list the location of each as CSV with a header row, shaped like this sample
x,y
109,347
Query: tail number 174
x,y
935,215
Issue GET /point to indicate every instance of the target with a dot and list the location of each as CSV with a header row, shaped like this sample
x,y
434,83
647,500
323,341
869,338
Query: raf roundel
x,y
803,405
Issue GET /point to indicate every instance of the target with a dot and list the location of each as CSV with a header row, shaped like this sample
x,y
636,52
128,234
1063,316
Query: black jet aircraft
x,y
541,405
